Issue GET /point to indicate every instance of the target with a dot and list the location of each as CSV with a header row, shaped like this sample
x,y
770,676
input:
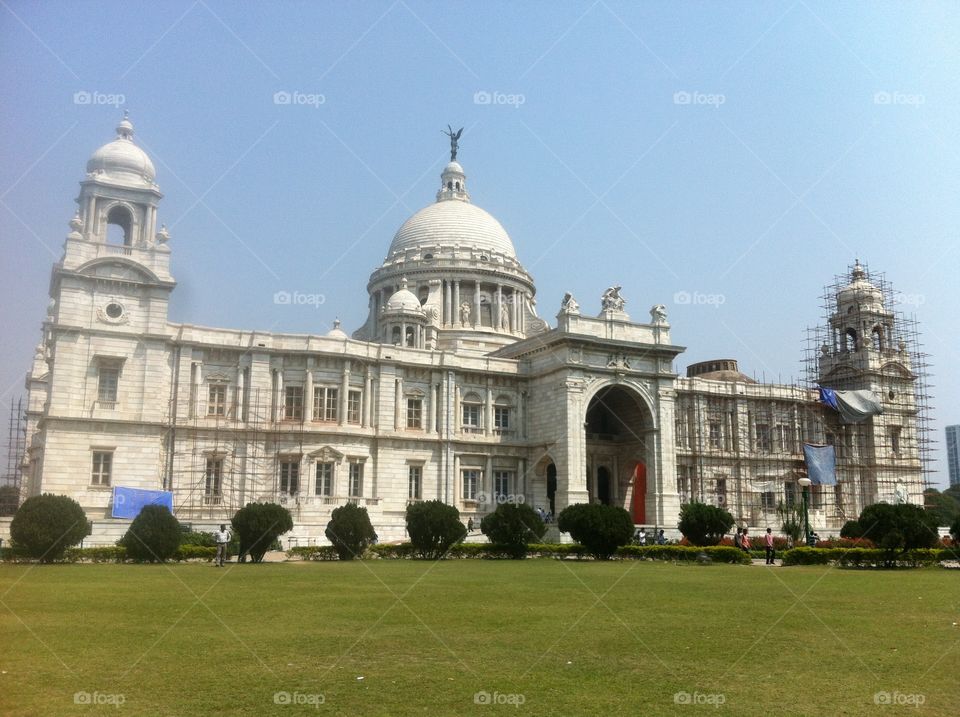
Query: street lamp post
x,y
804,487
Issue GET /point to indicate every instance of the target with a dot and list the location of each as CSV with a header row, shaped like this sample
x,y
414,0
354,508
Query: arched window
x,y
472,413
449,185
395,337
119,226
877,336
850,340
458,186
411,336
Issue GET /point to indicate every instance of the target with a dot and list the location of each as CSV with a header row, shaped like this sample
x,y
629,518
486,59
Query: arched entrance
x,y
617,426
552,488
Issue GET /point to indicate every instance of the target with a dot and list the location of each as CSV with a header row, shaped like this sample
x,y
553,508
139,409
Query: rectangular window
x,y
217,400
895,439
102,468
714,434
471,416
816,496
324,485
683,487
721,492
213,491
107,382
790,493
414,482
501,418
838,497
353,406
325,403
784,435
290,477
293,403
414,413
471,483
768,500
501,483
356,479
764,442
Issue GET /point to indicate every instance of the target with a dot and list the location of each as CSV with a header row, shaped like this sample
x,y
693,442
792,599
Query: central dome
x,y
453,222
122,160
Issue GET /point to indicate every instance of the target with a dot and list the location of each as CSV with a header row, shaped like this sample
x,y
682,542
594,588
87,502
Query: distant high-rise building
x,y
953,454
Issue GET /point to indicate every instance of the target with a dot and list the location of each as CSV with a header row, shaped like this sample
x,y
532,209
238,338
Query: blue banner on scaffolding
x,y
128,502
821,464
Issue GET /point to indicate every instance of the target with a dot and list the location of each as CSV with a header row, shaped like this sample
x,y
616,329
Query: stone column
x,y
432,423
344,393
457,480
455,419
488,411
308,398
238,395
487,486
279,412
456,303
497,308
365,420
398,423
476,304
447,303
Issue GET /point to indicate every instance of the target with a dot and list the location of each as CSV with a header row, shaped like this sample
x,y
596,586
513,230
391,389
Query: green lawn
x,y
571,638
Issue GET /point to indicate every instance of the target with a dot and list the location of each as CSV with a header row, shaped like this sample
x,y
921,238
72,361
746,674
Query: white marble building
x,y
454,388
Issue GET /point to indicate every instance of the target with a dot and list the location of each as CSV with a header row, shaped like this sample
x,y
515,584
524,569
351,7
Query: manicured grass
x,y
573,638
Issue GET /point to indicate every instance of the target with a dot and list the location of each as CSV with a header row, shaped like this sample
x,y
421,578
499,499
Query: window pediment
x,y
326,454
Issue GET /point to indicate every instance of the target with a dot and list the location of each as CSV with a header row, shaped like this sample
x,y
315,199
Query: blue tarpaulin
x,y
829,397
127,502
821,464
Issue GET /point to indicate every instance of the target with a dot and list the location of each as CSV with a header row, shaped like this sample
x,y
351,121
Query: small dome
x,y
121,159
336,332
860,289
404,300
452,222
453,168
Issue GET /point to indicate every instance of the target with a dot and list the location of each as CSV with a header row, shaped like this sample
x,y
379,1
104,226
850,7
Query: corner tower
x,y
462,267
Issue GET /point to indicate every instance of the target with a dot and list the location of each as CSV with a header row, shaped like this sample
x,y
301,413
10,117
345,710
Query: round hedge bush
x,y
153,536
434,526
350,531
512,526
46,525
601,529
258,526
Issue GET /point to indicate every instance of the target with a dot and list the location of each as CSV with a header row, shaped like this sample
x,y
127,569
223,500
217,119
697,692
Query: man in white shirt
x,y
222,537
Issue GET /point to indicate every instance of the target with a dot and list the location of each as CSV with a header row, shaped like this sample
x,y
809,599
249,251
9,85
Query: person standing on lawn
x,y
222,537
745,541
768,544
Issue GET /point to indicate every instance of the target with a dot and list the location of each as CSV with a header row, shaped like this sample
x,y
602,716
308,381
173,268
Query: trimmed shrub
x,y
808,556
98,554
685,553
851,529
511,526
392,550
258,525
350,531
196,538
313,552
195,552
601,529
704,524
153,536
46,525
898,528
433,527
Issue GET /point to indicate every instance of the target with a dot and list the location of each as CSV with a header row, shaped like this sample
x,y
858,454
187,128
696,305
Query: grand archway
x,y
618,425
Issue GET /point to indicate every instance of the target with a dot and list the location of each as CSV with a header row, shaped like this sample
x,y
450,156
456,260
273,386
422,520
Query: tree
x,y
704,524
898,527
258,525
512,526
955,531
851,529
433,527
601,529
46,525
791,521
944,506
350,531
153,536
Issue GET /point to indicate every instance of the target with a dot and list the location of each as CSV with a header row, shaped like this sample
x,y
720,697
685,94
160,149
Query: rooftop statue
x,y
454,138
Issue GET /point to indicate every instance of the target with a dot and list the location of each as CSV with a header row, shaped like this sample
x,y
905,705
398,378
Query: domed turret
x,y
121,161
859,290
336,332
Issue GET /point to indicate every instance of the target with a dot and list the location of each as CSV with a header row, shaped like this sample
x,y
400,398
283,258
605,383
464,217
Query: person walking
x,y
737,539
222,537
768,544
745,541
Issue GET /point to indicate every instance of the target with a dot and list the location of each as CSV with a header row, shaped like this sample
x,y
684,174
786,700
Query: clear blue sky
x,y
814,132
